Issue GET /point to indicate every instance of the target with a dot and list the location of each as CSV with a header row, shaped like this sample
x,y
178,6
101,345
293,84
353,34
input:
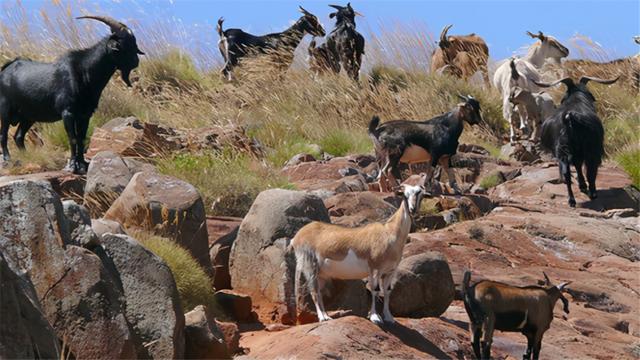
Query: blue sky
x,y
502,23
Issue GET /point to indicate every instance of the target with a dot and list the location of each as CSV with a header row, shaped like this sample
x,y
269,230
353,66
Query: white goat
x,y
325,251
534,107
547,50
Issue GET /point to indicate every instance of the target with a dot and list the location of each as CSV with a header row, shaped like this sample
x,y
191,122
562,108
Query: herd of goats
x,y
70,89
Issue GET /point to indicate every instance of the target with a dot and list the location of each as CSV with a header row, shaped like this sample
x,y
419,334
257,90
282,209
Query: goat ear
x,y
563,285
332,15
113,44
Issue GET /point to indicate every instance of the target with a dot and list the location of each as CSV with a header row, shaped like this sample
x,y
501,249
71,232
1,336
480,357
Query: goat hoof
x,y
376,319
593,195
572,202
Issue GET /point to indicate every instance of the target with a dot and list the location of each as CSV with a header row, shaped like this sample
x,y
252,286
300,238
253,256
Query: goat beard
x,y
124,75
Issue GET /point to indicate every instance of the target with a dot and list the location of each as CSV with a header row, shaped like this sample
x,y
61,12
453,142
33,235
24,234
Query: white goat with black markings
x,y
325,251
549,49
492,305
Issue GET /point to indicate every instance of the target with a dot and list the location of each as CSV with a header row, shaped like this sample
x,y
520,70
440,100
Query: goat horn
x,y
116,26
358,14
567,81
463,97
337,7
443,34
302,10
562,286
539,35
585,79
546,278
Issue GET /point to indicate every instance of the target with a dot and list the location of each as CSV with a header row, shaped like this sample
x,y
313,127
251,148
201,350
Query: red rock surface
x,y
531,230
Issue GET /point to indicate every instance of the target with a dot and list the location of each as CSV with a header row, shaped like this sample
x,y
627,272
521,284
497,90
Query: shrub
x,y
194,285
490,181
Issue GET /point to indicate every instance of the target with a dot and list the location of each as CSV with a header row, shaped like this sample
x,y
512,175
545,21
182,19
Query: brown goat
x,y
492,305
473,52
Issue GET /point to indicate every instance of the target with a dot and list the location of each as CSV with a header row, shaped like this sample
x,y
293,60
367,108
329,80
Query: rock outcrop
x,y
168,207
86,307
151,298
203,338
107,176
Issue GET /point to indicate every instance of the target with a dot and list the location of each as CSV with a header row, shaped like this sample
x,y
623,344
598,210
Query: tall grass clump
x,y
228,180
194,285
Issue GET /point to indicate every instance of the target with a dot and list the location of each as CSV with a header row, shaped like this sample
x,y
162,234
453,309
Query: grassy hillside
x,y
287,113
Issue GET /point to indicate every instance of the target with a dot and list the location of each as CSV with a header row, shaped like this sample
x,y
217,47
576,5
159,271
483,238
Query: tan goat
x,y
325,251
469,53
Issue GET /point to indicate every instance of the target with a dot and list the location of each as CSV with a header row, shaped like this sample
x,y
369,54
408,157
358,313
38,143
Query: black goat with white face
x,y
574,134
67,89
433,141
344,43
234,44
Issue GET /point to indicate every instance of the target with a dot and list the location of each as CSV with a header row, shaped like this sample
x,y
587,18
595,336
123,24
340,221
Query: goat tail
x,y
373,125
219,27
466,280
514,70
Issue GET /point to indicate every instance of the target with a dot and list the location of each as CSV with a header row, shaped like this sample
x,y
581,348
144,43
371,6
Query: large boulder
x,y
151,298
64,183
33,231
423,287
82,233
103,226
132,137
168,207
107,176
258,254
203,338
87,308
24,330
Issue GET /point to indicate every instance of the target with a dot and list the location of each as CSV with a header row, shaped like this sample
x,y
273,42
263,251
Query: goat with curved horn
x,y
443,35
567,81
27,87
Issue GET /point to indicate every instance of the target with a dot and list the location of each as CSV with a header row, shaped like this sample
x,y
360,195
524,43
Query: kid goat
x,y
433,141
492,305
325,251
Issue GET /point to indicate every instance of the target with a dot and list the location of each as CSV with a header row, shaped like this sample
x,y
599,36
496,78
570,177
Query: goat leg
x,y
21,132
81,133
69,126
565,170
581,182
4,135
477,333
592,173
373,314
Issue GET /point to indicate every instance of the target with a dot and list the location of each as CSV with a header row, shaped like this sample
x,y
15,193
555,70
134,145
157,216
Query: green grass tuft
x,y
229,181
194,285
490,181
630,162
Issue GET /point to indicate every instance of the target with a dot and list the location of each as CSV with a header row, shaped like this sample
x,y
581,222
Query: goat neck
x,y
455,120
292,36
400,222
95,66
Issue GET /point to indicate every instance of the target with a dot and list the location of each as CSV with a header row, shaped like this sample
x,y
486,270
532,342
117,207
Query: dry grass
x,y
286,112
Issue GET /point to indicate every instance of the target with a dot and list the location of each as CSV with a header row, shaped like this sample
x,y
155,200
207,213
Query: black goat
x,y
574,134
234,44
67,89
344,45
433,141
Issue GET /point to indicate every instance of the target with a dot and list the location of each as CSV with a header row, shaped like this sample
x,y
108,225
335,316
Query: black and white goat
x,y
496,306
235,44
344,46
574,134
67,89
433,141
